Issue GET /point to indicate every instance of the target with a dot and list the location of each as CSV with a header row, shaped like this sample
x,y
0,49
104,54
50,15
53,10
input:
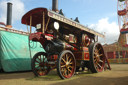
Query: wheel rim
x,y
67,65
41,65
99,58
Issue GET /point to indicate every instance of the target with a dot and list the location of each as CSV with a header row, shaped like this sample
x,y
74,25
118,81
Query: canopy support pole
x,y
47,23
30,24
43,22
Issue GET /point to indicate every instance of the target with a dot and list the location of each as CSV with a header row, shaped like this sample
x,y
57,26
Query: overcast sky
x,y
100,15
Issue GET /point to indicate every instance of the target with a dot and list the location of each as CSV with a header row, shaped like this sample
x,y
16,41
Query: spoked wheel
x,y
66,64
40,64
97,57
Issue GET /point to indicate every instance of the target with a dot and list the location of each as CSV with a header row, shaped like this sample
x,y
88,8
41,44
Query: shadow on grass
x,y
53,76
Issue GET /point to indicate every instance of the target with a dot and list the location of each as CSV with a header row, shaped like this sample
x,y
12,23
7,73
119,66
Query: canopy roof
x,y
37,18
36,15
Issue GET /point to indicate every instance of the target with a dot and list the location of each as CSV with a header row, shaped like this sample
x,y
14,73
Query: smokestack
x,y
9,14
55,5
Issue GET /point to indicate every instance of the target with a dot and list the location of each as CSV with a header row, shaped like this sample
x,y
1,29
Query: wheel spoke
x,y
71,63
38,58
66,57
70,66
100,61
63,66
99,49
69,70
95,53
43,59
96,50
64,60
64,72
37,61
99,65
36,68
37,64
70,60
100,55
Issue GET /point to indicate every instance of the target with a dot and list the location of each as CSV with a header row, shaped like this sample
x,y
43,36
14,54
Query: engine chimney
x,y
9,14
55,5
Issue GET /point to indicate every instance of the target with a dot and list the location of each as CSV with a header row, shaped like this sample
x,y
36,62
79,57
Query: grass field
x,y
117,76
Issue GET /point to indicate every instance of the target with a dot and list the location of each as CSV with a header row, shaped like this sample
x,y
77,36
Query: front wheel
x,y
66,64
40,64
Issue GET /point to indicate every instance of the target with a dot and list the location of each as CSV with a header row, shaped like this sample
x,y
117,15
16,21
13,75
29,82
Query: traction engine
x,y
68,45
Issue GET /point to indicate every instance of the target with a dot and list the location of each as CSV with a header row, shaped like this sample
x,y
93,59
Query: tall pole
x,y
55,5
9,13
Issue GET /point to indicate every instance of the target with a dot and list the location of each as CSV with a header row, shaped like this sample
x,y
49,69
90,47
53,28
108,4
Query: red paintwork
x,y
86,53
86,56
69,75
36,14
35,36
49,35
75,49
78,55
39,37
82,55
54,57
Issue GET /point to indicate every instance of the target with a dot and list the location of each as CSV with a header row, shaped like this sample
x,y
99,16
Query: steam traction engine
x,y
68,45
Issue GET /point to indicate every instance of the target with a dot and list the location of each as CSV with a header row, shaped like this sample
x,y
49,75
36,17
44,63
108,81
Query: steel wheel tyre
x,y
97,57
40,64
66,64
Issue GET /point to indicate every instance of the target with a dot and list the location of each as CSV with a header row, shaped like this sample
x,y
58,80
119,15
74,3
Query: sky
x,y
99,15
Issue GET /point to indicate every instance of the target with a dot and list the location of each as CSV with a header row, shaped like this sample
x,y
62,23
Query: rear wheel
x,y
66,64
40,64
97,57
